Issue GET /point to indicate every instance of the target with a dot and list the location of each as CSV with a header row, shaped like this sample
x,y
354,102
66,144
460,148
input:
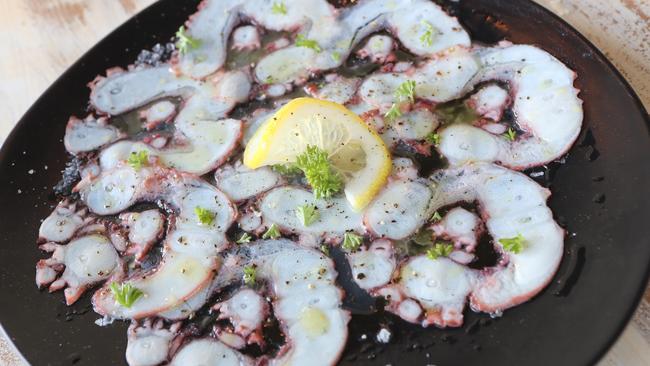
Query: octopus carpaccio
x,y
487,112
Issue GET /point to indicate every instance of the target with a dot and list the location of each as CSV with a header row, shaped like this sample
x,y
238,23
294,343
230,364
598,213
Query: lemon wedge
x,y
354,149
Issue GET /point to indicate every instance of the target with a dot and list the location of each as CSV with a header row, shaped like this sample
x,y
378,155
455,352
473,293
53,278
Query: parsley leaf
x,y
321,176
393,113
279,8
351,242
244,238
205,216
139,159
436,217
184,42
433,138
510,134
514,245
406,91
325,249
336,56
125,294
427,37
301,41
250,275
272,232
440,250
286,169
307,214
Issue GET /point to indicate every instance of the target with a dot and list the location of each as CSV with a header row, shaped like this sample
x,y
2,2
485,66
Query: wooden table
x,y
40,39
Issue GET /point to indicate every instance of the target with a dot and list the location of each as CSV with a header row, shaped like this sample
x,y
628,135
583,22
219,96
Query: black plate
x,y
572,322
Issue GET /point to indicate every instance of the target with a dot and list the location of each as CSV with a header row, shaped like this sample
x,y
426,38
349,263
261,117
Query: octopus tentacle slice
x,y
434,291
204,137
460,226
307,301
278,206
190,247
145,228
209,352
373,267
399,210
246,310
442,78
512,205
63,223
546,107
89,134
149,342
335,34
241,183
85,262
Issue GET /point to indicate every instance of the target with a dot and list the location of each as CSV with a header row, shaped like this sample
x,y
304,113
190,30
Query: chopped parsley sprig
x,y
184,42
440,250
324,180
125,294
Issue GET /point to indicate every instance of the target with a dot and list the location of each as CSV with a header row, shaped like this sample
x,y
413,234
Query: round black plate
x,y
600,193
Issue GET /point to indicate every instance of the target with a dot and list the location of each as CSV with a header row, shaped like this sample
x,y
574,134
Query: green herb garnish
x,y
321,176
336,56
433,138
514,245
436,217
244,238
406,91
250,275
301,41
351,242
427,37
510,134
325,249
273,232
286,169
279,8
440,250
307,214
393,113
205,216
125,294
184,42
138,160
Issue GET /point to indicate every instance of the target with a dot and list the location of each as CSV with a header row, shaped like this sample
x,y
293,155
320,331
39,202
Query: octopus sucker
x,y
204,210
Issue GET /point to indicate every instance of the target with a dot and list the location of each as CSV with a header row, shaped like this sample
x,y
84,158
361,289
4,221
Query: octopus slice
x,y
336,216
378,49
149,343
411,127
203,138
546,105
89,134
145,228
440,286
399,210
241,183
246,310
512,204
335,88
246,38
408,20
490,102
158,113
85,262
307,301
62,223
373,267
440,79
209,352
190,247
461,226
